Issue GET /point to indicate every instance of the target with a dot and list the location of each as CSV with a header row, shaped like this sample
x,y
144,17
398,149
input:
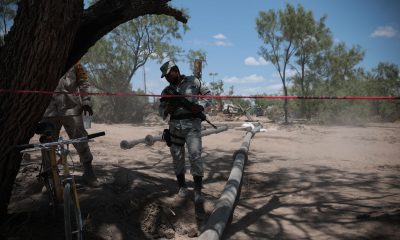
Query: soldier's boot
x,y
88,177
198,198
198,185
183,191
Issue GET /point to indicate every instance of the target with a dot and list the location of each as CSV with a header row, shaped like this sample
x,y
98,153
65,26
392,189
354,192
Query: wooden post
x,y
149,140
198,68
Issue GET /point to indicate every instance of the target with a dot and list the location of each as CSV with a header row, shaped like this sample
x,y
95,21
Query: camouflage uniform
x,y
185,128
66,110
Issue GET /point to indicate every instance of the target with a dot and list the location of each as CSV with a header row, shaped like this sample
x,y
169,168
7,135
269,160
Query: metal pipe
x,y
149,140
213,130
125,144
224,207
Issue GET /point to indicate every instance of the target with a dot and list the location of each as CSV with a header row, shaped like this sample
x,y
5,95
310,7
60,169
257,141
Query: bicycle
x,y
61,188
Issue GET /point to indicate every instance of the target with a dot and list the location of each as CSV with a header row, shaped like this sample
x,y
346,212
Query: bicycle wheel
x,y
72,215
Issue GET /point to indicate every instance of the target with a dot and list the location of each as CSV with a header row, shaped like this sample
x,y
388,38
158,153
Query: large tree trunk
x,y
33,58
285,104
303,92
47,38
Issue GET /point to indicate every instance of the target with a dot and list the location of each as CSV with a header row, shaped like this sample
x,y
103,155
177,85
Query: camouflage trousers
x,y
186,131
74,127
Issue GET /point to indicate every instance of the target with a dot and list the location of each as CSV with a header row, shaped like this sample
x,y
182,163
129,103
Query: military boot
x,y
183,191
198,198
88,177
198,185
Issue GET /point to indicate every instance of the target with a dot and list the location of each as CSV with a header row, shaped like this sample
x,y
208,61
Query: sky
x,y
226,31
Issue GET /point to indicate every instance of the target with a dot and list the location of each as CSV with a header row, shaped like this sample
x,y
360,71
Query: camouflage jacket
x,y
189,85
74,81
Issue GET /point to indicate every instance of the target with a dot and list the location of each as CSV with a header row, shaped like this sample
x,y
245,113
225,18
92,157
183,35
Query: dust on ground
x,y
300,182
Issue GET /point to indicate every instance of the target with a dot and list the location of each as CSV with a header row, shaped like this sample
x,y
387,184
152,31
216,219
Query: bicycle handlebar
x,y
25,146
59,142
94,135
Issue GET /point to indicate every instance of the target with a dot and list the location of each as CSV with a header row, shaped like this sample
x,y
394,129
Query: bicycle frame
x,y
64,185
50,156
68,178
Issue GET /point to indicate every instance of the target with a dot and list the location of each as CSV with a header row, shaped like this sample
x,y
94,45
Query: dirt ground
x,y
300,182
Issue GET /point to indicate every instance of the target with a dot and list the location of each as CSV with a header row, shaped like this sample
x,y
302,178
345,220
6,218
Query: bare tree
x,y
47,38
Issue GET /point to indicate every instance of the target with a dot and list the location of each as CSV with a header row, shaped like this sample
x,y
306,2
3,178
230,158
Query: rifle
x,y
185,103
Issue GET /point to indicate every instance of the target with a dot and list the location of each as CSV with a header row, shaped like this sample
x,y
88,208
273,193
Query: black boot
x,y
88,176
181,180
198,185
183,192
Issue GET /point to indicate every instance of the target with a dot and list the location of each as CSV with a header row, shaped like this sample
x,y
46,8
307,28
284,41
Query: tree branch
x,y
105,15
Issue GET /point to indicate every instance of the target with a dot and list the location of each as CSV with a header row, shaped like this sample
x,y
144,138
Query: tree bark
x,y
285,104
47,38
303,91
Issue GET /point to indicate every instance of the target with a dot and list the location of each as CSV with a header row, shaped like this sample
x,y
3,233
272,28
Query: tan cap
x,y
166,67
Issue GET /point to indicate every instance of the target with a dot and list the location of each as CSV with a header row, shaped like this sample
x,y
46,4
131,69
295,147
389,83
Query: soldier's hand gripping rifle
x,y
182,101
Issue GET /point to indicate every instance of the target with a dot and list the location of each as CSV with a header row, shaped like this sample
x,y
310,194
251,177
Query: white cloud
x,y
219,36
251,61
262,61
231,80
385,31
222,43
270,89
289,73
254,78
214,42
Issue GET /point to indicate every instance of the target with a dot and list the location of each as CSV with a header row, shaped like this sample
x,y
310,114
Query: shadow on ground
x,y
137,201
317,203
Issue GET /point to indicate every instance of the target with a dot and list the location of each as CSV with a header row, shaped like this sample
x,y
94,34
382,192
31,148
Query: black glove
x,y
87,110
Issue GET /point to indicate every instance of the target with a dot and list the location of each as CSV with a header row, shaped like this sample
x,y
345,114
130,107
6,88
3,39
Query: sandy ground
x,y
301,182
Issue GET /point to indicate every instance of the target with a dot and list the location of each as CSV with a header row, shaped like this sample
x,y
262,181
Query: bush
x,y
121,109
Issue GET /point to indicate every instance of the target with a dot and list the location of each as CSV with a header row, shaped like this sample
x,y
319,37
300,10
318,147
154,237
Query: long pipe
x,y
150,139
224,207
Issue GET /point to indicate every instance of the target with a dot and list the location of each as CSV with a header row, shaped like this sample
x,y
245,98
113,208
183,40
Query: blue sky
x,y
225,29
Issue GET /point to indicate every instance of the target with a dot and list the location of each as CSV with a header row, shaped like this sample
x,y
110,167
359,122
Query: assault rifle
x,y
181,101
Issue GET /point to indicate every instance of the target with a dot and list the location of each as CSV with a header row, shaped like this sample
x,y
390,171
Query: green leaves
x,y
294,39
114,60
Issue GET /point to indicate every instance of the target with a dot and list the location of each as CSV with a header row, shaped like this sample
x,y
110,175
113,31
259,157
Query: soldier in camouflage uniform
x,y
66,110
185,126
